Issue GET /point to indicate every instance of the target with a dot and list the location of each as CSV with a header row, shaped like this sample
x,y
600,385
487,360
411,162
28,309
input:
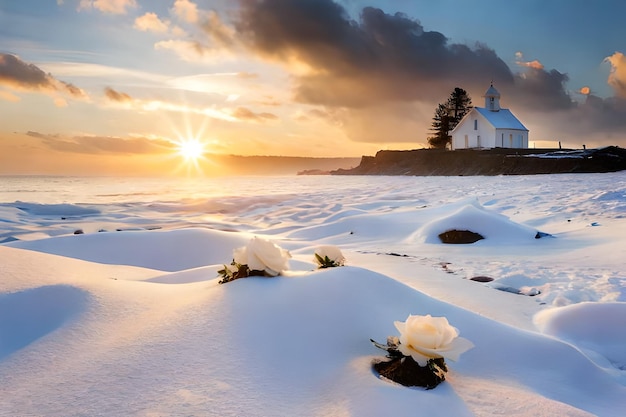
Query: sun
x,y
191,149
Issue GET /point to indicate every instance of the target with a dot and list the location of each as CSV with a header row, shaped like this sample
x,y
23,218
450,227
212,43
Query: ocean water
x,y
39,206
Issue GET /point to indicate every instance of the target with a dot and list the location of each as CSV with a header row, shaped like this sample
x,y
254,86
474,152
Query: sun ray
x,y
191,149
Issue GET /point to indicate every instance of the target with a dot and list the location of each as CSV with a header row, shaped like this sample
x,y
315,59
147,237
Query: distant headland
x,y
494,161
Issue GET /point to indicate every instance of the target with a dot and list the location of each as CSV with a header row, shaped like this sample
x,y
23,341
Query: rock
x,y
78,232
460,237
481,278
539,235
407,372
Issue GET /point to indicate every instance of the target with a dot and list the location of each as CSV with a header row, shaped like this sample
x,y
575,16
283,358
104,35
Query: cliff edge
x,y
498,161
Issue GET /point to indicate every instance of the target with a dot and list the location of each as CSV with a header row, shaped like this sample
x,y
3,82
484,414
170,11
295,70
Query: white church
x,y
489,127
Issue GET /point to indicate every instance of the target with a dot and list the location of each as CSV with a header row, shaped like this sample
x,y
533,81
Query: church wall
x,y
479,132
511,138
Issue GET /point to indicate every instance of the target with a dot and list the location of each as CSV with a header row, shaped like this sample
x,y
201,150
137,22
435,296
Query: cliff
x,y
499,161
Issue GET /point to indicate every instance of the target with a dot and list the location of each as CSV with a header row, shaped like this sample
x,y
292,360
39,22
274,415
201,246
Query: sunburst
x,y
191,149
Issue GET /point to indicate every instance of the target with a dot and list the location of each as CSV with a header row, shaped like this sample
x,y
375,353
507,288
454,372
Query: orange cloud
x,y
585,91
192,51
150,22
186,10
8,96
104,144
108,6
531,64
243,113
219,32
617,77
113,95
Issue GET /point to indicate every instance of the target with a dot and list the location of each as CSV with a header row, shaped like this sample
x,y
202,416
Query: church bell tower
x,y
492,99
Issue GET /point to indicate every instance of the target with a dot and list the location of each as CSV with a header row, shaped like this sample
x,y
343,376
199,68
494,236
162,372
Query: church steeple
x,y
492,99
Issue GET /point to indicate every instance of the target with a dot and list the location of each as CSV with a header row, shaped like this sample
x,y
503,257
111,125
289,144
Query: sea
x,y
38,206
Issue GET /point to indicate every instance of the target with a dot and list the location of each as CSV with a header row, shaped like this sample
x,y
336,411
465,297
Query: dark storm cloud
x,y
382,57
21,75
542,90
600,115
104,144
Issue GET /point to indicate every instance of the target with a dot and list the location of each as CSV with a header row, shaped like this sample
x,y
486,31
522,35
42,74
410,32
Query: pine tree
x,y
440,127
447,116
459,103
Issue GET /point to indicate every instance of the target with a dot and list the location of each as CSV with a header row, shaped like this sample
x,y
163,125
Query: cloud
x,y
60,102
189,50
519,57
8,96
124,101
220,33
150,22
617,77
186,11
381,57
104,144
541,90
245,114
19,75
113,95
531,64
108,6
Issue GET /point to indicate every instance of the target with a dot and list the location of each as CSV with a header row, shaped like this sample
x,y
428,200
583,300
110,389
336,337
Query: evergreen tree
x,y
447,116
440,127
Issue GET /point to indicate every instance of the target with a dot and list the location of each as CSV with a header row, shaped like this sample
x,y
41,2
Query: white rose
x,y
332,252
426,337
263,255
240,255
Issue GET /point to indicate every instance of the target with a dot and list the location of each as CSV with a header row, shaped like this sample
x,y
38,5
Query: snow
x,y
134,322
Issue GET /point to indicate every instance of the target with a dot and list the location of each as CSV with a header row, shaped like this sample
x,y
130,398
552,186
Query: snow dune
x,y
135,323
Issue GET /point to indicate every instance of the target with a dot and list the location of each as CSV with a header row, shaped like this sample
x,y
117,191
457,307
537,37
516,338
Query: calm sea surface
x,y
105,190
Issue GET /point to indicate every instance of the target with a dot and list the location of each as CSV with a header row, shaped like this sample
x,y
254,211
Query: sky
x,y
118,86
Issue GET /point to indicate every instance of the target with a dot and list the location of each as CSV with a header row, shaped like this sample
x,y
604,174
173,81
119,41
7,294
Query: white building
x,y
489,127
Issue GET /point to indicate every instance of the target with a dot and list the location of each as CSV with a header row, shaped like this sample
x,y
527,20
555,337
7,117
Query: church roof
x,y
491,91
502,119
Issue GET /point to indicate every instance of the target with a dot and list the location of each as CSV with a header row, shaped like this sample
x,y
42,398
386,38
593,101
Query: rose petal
x,y
240,255
265,255
425,337
332,252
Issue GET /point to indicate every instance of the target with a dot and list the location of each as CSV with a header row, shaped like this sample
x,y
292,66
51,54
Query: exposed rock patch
x,y
460,237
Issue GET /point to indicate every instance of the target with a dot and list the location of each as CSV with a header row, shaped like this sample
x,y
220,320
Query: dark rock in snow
x,y
539,235
481,278
460,237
